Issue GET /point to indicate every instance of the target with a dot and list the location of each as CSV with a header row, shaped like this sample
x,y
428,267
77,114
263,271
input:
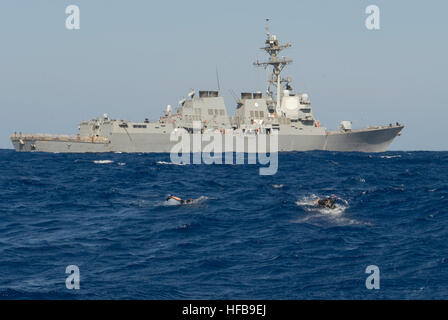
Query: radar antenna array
x,y
272,48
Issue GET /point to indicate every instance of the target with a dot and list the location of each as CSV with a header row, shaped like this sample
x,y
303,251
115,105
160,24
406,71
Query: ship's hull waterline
x,y
365,140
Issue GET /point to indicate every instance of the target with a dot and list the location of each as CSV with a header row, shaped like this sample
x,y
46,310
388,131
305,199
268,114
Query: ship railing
x,y
58,137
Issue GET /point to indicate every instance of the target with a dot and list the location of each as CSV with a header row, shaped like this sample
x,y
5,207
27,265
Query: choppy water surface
x,y
245,235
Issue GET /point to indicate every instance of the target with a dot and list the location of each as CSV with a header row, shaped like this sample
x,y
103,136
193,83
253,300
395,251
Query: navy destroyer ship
x,y
279,110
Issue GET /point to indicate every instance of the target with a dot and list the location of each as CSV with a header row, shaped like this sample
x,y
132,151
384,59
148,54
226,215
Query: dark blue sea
x,y
245,236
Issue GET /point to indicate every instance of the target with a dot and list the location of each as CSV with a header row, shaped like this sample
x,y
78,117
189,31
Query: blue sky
x,y
132,58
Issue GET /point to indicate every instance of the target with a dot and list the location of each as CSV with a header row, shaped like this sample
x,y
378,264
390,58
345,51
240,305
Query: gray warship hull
x,y
364,140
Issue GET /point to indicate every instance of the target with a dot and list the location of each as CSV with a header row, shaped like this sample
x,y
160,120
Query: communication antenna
x,y
217,78
273,48
267,28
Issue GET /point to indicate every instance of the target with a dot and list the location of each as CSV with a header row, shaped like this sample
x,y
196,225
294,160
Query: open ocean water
x,y
246,237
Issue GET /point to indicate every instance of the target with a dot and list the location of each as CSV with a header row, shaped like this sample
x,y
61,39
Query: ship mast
x,y
273,47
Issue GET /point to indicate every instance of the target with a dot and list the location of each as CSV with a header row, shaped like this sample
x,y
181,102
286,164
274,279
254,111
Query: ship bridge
x,y
209,108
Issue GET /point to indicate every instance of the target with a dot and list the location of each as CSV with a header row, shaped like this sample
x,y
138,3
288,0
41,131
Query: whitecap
x,y
103,161
278,186
315,213
390,157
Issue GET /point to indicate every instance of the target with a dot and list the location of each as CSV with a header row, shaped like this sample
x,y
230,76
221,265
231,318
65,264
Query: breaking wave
x,y
315,214
103,161
308,203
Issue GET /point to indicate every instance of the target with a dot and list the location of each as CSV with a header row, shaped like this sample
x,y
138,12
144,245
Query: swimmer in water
x,y
179,200
326,203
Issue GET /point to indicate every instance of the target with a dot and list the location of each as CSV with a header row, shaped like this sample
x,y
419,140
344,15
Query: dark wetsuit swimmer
x,y
327,203
179,200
